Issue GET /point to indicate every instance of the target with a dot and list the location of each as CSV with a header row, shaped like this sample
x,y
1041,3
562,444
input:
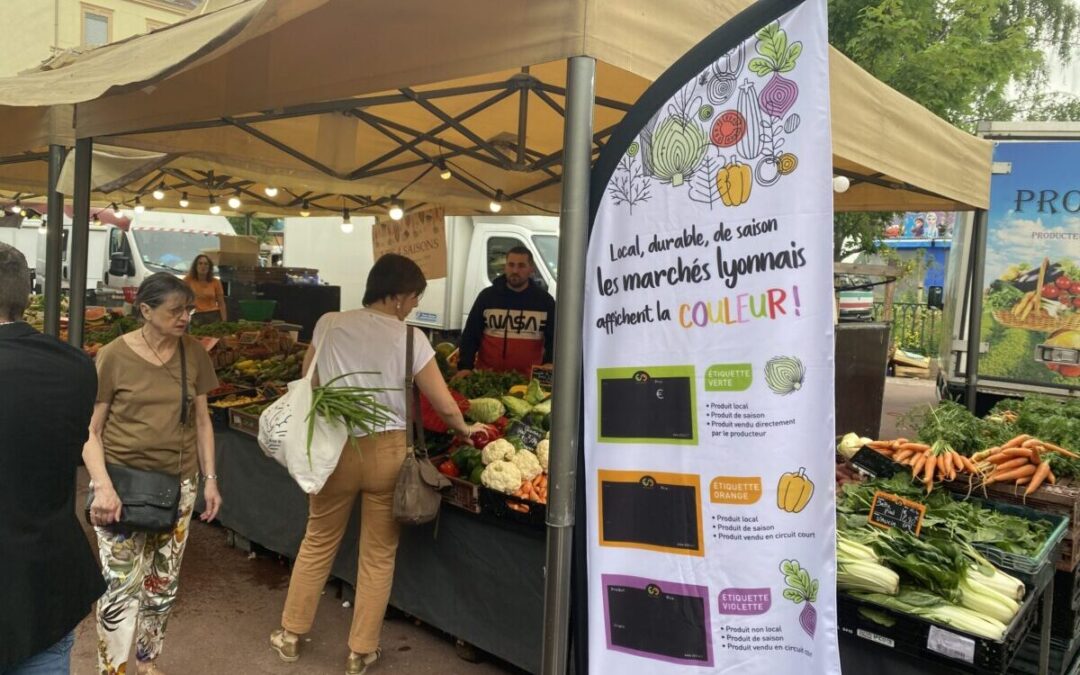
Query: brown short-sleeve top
x,y
143,429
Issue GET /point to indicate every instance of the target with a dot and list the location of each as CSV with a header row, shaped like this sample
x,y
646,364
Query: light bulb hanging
x,y
234,201
270,191
495,205
16,207
215,208
159,192
139,208
444,170
184,203
397,209
346,222
305,209
841,184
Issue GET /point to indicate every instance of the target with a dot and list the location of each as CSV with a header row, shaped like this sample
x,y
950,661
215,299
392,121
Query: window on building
x,y
96,26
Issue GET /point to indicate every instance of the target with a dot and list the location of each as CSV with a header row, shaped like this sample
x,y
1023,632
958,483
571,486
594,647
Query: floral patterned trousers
x,y
142,571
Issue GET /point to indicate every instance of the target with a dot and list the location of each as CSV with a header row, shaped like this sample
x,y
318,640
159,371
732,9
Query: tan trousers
x,y
372,473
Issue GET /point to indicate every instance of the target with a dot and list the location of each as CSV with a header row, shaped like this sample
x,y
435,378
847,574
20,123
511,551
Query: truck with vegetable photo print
x,y
1029,257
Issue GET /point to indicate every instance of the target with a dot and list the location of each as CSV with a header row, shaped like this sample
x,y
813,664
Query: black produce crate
x,y
911,635
1066,617
498,505
1062,656
1035,571
220,416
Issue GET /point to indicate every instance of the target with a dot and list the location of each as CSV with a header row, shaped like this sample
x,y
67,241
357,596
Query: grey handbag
x,y
417,495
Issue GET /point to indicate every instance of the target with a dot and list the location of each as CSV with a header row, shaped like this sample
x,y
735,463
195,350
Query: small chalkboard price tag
x,y
529,436
888,511
544,375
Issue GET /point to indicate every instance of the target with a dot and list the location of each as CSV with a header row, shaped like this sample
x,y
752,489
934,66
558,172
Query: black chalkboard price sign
x,y
888,511
544,375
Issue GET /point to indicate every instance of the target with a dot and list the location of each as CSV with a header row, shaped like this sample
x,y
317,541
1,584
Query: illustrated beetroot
x,y
808,619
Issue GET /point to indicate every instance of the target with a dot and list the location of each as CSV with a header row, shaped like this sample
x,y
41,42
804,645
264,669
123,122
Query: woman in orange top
x,y
209,293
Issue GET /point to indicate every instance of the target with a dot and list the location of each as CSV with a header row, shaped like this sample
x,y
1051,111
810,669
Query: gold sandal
x,y
359,663
286,644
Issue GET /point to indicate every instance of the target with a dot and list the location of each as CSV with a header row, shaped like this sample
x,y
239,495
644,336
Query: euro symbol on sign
x,y
660,394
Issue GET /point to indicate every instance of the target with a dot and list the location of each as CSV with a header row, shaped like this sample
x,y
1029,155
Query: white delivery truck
x,y
1029,261
476,248
24,237
153,242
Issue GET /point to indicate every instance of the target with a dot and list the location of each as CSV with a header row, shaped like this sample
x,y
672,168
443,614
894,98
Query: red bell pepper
x,y
448,468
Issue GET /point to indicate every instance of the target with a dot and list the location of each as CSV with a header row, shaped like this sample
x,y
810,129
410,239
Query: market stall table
x,y
471,576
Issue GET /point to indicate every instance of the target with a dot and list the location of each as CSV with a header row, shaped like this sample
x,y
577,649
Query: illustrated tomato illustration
x,y
728,129
1051,292
1074,288
1063,282
1076,302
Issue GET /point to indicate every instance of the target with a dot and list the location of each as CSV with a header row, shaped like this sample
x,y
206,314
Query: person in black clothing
x,y
48,576
512,323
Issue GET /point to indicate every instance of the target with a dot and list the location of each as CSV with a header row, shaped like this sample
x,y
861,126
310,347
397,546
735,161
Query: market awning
x,y
349,102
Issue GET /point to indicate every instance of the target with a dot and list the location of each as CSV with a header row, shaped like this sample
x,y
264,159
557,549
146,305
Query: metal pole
x,y
80,241
54,242
978,259
565,428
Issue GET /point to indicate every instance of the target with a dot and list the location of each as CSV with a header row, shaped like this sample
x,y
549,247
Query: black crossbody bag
x,y
150,499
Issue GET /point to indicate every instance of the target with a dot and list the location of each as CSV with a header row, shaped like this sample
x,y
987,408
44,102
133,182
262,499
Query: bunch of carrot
x,y
927,462
1021,461
535,490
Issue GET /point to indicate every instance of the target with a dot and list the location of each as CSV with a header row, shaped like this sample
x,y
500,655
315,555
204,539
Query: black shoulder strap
x,y
183,385
414,428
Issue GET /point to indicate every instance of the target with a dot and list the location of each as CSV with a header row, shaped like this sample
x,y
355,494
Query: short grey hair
x,y
14,283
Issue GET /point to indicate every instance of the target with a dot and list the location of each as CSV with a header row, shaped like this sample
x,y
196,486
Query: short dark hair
x,y
521,250
156,289
393,274
14,283
193,273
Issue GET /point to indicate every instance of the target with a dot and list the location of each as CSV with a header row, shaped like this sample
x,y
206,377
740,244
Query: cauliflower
x,y
542,453
499,449
528,464
502,475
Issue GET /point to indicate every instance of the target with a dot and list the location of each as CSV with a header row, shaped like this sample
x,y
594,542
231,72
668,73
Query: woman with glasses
x,y
150,414
209,293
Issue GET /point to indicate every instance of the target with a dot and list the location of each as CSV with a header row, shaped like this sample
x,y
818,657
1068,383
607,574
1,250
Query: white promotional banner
x,y
708,364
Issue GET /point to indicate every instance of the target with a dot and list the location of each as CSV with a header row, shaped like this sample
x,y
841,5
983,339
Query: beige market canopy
x,y
349,102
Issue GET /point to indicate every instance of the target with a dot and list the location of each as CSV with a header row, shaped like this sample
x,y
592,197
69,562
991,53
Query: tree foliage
x,y
964,60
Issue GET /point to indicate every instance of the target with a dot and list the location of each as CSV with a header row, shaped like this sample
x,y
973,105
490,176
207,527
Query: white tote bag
x,y
283,433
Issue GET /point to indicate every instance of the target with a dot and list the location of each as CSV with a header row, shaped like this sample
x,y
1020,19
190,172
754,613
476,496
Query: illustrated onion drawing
x,y
784,374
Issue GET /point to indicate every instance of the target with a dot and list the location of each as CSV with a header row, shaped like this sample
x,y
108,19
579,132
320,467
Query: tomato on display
x,y
728,129
1051,292
1063,282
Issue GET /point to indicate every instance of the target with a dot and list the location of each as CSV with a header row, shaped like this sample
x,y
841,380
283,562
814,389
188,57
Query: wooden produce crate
x,y
463,494
245,423
1060,499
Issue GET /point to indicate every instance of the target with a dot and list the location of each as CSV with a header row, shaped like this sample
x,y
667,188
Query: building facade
x,y
48,27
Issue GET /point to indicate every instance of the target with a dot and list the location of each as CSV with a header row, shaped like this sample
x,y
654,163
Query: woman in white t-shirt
x,y
371,339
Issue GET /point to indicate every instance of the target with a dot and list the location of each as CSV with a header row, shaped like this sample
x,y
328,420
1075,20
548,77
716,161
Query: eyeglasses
x,y
177,312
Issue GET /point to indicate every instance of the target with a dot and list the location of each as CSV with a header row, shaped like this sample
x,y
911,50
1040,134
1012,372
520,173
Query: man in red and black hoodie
x,y
512,323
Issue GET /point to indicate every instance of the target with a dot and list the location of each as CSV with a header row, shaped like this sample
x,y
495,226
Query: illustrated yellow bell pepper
x,y
794,491
733,182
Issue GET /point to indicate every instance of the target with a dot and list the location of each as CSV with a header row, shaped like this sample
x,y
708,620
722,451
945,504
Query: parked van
x,y
476,248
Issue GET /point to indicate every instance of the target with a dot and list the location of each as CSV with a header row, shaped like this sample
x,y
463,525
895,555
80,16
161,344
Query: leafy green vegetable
x,y
486,383
1004,296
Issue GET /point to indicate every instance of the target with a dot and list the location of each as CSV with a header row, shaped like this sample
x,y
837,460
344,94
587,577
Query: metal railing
x,y
915,327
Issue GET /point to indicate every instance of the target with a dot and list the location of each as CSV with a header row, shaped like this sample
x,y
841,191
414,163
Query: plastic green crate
x,y
1032,567
257,310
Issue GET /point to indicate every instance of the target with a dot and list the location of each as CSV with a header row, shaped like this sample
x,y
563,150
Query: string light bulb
x,y
305,209
346,222
234,201
215,208
444,170
495,205
16,207
397,209
115,209
184,203
270,191
159,192
139,208
841,184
